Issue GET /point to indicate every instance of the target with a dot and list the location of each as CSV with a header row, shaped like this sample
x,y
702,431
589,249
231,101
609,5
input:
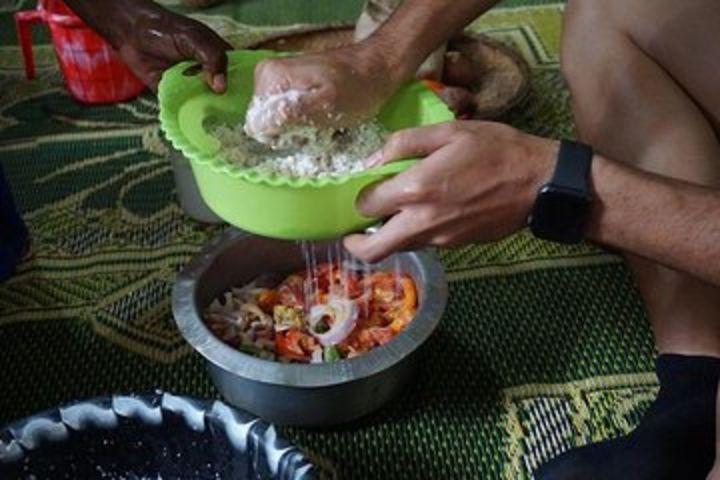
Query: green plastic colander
x,y
263,203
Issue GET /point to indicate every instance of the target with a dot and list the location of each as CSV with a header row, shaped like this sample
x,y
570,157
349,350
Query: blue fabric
x,y
13,233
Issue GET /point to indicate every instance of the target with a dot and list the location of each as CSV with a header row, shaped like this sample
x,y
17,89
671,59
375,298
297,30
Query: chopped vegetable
x,y
331,353
433,85
287,344
332,312
287,317
267,300
250,349
341,315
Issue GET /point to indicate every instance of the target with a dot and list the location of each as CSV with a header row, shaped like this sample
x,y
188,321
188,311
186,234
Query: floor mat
x,y
542,347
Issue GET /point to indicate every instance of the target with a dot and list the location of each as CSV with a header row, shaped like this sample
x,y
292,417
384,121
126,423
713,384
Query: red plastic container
x,y
93,72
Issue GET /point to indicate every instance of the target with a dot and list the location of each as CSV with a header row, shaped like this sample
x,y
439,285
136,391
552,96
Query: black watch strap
x,y
572,169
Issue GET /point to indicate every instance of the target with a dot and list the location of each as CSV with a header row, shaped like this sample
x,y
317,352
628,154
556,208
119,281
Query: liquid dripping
x,y
331,270
337,246
396,278
367,286
342,266
314,282
307,281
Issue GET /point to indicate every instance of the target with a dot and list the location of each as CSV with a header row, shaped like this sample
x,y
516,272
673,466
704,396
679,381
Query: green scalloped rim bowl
x,y
266,204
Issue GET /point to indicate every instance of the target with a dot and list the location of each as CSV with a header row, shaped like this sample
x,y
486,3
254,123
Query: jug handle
x,y
23,24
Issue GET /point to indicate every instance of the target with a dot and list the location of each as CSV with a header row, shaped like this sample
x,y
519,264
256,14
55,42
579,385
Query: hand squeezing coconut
x,y
272,140
314,127
339,88
297,97
269,121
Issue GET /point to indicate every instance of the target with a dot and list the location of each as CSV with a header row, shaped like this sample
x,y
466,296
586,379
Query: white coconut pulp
x,y
296,151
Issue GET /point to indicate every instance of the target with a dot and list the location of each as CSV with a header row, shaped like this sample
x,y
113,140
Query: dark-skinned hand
x,y
151,39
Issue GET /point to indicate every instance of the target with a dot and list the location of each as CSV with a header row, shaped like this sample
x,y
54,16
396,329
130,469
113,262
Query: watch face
x,y
560,215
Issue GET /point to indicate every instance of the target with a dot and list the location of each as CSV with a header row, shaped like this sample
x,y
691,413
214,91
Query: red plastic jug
x,y
92,70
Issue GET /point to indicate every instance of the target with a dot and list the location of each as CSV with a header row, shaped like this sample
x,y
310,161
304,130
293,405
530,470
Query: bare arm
x,y
151,39
478,182
110,18
674,223
417,28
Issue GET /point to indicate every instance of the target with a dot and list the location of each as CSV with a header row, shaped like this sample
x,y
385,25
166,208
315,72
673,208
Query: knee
x,y
592,43
585,24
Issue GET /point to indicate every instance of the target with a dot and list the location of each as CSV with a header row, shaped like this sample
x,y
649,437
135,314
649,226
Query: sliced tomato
x,y
382,278
353,285
433,85
373,336
307,343
334,276
267,300
375,320
384,287
381,335
409,301
287,344
400,319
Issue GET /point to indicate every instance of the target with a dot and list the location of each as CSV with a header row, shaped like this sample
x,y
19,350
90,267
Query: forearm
x,y
417,28
151,39
674,223
114,19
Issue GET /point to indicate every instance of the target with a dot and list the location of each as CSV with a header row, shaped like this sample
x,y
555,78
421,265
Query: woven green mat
x,y
542,347
283,12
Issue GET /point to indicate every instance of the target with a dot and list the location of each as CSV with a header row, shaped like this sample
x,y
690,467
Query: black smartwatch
x,y
562,207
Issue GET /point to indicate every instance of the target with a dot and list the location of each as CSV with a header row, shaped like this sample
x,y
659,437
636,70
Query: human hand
x,y
151,39
158,42
477,183
338,88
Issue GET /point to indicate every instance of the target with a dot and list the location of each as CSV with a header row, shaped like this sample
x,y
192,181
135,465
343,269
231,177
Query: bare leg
x,y
639,96
677,38
636,107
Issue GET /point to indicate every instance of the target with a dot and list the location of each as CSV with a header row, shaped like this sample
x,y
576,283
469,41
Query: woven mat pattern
x,y
542,347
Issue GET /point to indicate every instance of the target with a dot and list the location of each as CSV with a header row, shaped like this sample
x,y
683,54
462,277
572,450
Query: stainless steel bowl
x,y
297,394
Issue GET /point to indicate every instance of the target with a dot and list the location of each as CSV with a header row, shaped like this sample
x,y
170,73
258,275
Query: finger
x,y
413,142
215,68
398,233
416,185
209,49
384,198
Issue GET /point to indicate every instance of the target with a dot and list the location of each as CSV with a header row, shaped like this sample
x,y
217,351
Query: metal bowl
x,y
299,394
157,435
